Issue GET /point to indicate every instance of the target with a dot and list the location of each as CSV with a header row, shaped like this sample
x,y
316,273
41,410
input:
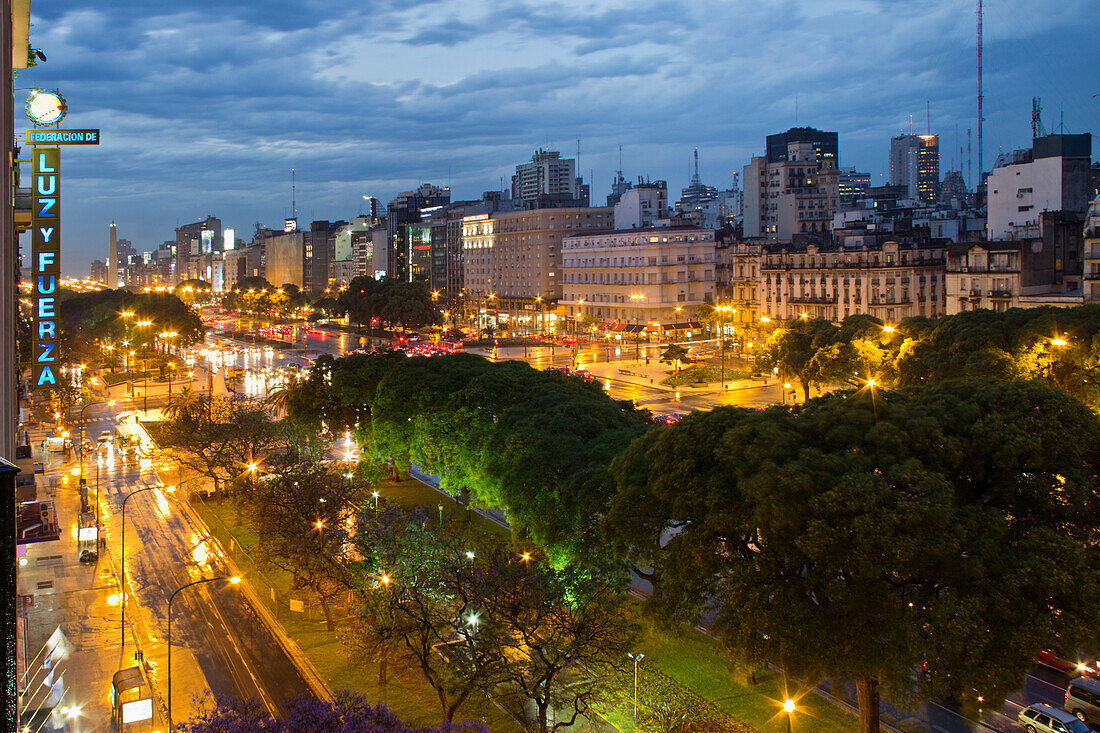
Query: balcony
x,y
1000,293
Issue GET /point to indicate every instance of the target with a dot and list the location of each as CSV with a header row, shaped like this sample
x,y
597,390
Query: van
x,y
1042,718
1083,698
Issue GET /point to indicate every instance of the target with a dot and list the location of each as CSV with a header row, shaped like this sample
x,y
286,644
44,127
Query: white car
x,y
1042,718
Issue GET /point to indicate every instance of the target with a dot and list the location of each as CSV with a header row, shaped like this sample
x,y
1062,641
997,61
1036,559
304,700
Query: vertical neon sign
x,y
46,264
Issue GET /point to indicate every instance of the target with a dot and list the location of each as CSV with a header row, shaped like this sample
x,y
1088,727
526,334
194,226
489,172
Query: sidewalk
x,y
80,601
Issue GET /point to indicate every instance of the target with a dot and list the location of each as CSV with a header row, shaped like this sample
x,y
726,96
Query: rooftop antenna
x,y
620,171
293,195
981,99
910,125
1036,118
796,110
695,176
929,112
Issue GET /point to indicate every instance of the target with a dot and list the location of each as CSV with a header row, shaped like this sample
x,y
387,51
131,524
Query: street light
x,y
637,298
234,580
636,659
788,706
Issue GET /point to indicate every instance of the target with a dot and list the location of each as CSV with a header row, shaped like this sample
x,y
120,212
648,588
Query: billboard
x,y
45,265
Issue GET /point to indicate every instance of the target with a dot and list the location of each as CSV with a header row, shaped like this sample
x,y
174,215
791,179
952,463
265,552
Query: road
x,y
307,345
1041,684
212,623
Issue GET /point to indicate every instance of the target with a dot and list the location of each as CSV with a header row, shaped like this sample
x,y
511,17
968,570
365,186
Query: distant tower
x,y
112,258
981,98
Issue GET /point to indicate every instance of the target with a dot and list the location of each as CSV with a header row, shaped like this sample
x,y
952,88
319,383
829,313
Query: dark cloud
x,y
206,105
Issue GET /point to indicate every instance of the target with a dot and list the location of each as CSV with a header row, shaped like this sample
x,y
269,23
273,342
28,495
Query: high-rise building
x,y
852,184
825,144
793,191
548,180
99,271
402,214
193,240
953,187
1053,175
517,254
915,164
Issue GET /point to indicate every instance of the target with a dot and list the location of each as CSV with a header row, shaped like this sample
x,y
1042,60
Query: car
x,y
1083,699
1077,664
668,419
1042,718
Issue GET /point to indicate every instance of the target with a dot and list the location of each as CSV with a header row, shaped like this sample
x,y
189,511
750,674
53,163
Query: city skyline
x,y
373,102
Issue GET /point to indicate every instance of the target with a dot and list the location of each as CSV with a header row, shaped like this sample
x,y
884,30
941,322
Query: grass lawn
x,y
406,693
709,372
689,657
682,664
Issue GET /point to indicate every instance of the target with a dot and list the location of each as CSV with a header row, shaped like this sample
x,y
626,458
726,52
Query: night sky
x,y
206,105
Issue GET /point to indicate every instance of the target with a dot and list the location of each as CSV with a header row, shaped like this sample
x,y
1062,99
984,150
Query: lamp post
x,y
788,706
637,299
168,336
637,659
81,454
234,580
122,562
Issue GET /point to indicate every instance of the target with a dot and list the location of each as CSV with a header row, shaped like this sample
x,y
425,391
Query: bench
x,y
626,372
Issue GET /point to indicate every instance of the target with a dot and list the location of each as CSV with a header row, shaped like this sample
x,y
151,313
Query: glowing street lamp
x,y
788,707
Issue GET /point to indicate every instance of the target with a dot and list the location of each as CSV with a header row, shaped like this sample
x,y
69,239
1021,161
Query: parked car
x,y
1083,698
1042,718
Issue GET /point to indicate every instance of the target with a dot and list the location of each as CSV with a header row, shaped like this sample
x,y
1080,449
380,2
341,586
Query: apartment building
x,y
657,275
517,255
795,188
1038,265
890,281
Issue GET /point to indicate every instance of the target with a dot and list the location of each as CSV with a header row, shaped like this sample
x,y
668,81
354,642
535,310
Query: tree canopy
x,y
389,301
948,531
534,444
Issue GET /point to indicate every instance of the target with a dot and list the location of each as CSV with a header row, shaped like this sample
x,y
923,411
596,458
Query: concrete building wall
x,y
638,276
889,281
517,254
285,259
1019,193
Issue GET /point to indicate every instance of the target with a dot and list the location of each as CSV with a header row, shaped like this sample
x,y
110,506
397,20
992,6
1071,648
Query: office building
x,y
915,164
302,258
792,192
825,144
517,255
402,216
1053,175
548,180
852,184
192,240
99,271
650,278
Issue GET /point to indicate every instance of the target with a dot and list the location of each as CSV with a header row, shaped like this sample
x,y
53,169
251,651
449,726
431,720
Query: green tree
x,y
873,535
794,349
674,355
302,516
